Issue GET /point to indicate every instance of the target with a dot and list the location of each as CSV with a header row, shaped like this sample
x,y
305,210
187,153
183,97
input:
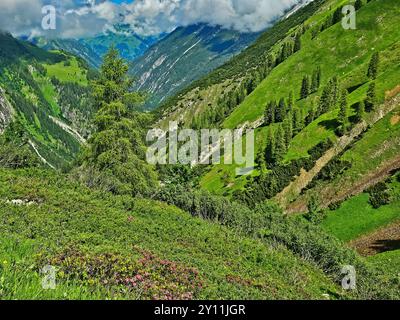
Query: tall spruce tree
x,y
290,103
297,121
269,115
260,159
297,42
360,111
280,144
337,16
373,66
270,149
343,112
288,128
280,110
305,87
316,80
116,148
370,102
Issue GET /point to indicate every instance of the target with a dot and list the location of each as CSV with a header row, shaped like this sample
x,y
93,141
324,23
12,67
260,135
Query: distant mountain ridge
x,y
92,49
185,55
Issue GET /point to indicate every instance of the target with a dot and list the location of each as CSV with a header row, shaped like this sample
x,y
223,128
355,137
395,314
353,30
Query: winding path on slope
x,y
293,190
381,240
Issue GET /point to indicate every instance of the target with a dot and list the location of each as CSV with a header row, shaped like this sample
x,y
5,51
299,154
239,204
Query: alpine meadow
x,y
274,134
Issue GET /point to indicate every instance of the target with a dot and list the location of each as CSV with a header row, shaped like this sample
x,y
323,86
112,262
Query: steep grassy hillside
x,y
203,94
48,94
357,217
119,247
388,261
338,52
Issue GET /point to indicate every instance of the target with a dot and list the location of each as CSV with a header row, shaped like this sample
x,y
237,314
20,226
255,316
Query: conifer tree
x,y
360,111
288,128
316,80
116,148
297,43
358,4
343,112
280,110
280,144
329,97
271,60
312,115
305,87
261,160
325,100
373,66
297,121
290,103
335,91
270,149
370,102
269,116
337,16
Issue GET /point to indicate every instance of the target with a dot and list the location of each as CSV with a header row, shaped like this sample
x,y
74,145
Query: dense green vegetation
x,y
322,114
116,227
33,82
358,215
387,261
252,58
67,71
149,244
115,155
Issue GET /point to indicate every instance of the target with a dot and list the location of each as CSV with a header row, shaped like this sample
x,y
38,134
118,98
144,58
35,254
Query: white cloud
x,y
152,16
78,18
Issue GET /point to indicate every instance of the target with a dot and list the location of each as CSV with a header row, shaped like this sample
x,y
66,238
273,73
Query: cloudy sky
x,y
82,18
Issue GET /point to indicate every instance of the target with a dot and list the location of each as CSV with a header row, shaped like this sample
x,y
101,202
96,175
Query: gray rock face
x,y
6,111
185,55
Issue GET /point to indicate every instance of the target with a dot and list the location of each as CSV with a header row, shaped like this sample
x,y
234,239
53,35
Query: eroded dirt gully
x,y
328,196
381,240
290,198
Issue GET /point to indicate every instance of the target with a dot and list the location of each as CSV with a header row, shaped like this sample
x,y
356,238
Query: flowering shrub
x,y
148,277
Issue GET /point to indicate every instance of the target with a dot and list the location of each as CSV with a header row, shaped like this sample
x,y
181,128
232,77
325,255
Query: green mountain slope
x,y
219,87
92,49
148,244
183,56
336,58
326,168
347,58
48,94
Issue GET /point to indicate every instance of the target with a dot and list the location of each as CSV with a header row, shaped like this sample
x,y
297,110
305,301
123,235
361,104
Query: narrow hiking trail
x,y
286,197
39,155
293,190
380,174
381,240
68,129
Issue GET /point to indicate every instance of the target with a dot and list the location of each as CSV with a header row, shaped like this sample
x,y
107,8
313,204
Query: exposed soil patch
x,y
365,182
395,120
287,198
392,93
385,239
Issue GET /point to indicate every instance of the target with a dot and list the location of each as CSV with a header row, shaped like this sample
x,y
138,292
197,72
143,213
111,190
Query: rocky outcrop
x,y
6,111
